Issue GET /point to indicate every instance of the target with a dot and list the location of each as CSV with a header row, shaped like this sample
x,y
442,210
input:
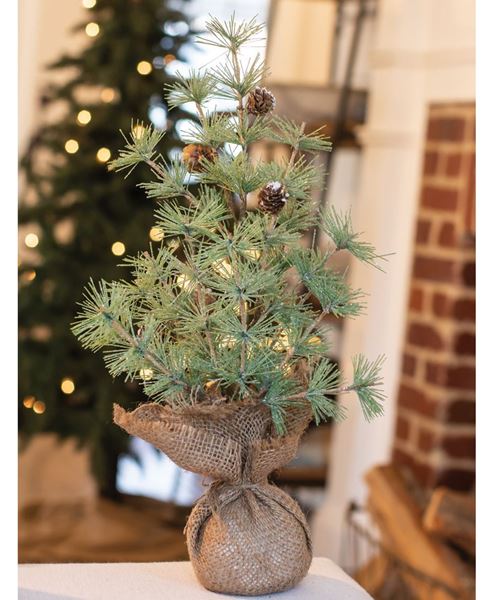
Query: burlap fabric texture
x,y
245,536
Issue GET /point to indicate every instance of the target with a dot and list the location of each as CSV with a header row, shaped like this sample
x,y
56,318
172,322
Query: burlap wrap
x,y
245,536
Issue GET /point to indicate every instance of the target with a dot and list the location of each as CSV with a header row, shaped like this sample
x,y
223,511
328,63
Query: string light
x,y
71,146
144,67
31,240
67,385
84,117
39,407
138,131
146,374
108,94
92,29
103,155
28,275
118,248
156,234
29,401
88,3
184,282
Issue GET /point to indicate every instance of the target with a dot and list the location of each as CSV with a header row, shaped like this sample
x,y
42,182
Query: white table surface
x,y
163,581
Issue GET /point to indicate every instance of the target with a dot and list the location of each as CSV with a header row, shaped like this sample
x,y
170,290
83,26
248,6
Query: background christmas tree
x,y
79,218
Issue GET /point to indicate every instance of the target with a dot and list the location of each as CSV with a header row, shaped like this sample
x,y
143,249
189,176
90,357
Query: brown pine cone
x,y
193,153
272,198
261,101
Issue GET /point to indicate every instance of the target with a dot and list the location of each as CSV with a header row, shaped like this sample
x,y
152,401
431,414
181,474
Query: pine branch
x,y
140,147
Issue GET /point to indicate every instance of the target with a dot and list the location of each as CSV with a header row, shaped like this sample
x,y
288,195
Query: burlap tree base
x,y
244,536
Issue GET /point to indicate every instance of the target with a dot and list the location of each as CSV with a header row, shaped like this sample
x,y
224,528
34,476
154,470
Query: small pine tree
x,y
210,315
78,211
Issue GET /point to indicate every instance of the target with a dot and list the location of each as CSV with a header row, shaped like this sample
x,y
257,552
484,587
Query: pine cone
x,y
193,153
261,101
272,198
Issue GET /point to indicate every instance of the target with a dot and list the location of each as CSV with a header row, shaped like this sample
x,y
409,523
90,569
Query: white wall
x,y
424,52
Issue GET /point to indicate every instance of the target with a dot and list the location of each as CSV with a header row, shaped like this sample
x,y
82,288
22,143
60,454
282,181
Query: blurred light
x,y
315,340
71,146
167,43
144,67
138,131
67,385
184,282
156,234
118,248
223,268
158,116
29,275
84,117
88,3
253,253
39,407
178,28
31,240
146,374
108,94
92,29
103,154
29,401
228,341
169,58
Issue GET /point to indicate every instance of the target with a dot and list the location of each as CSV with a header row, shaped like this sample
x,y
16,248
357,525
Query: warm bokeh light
x,y
103,154
118,248
31,240
39,407
138,131
84,117
29,275
67,385
184,282
156,234
92,29
108,94
144,67
71,146
169,58
88,3
29,401
146,374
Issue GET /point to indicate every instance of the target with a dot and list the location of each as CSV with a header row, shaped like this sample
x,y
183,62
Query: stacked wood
x,y
433,572
451,516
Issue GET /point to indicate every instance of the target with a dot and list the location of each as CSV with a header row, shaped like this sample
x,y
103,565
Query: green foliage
x,y
217,302
78,210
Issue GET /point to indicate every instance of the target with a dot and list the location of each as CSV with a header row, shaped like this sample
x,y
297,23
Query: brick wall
x,y
436,406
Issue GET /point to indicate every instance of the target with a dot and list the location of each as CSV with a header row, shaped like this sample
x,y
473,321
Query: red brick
x,y
427,440
402,428
402,458
433,269
441,305
463,378
461,480
422,231
430,163
470,208
469,274
424,336
465,309
439,198
409,364
446,129
416,298
453,165
447,236
436,373
459,446
465,343
416,400
461,411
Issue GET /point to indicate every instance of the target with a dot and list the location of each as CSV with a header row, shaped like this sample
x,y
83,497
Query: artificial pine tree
x,y
84,217
232,355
